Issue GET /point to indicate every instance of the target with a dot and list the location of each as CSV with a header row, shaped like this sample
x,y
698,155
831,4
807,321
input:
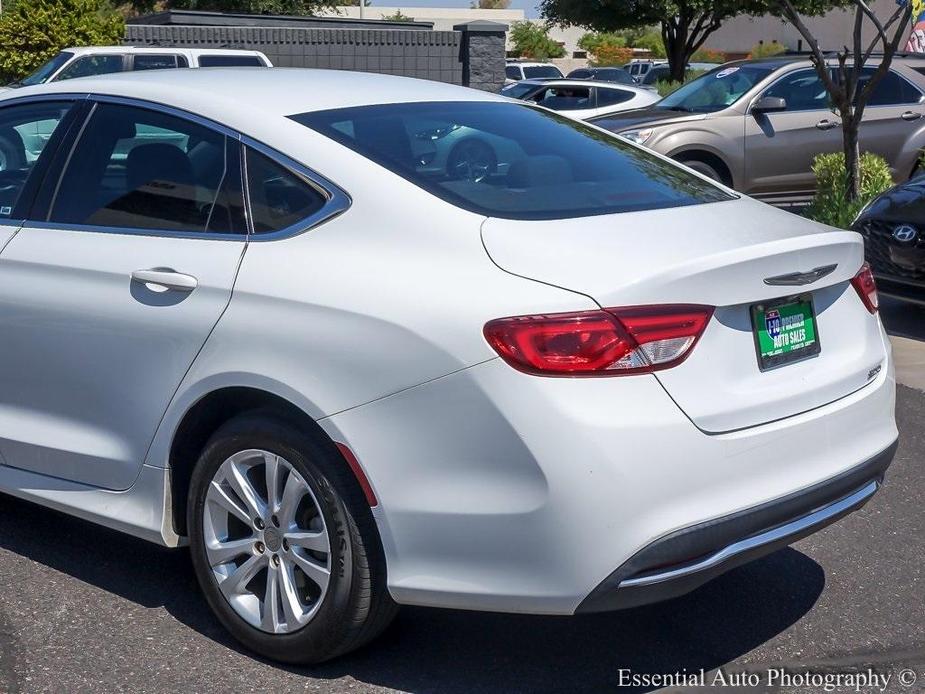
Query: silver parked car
x,y
757,125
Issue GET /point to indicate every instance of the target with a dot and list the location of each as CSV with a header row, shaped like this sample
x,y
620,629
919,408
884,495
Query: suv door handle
x,y
911,115
166,277
827,125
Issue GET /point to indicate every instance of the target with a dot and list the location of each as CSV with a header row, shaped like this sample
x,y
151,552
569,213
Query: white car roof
x,y
85,50
233,94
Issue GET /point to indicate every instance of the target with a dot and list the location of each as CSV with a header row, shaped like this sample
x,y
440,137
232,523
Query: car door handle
x,y
165,277
827,125
911,115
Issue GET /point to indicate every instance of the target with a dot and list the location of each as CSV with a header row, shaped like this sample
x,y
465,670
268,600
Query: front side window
x,y
43,74
503,159
90,65
24,131
564,98
135,168
155,62
278,197
803,90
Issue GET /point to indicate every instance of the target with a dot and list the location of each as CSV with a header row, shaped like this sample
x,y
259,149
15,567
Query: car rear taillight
x,y
610,342
866,285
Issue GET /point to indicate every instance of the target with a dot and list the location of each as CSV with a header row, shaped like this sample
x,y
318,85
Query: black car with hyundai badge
x,y
893,227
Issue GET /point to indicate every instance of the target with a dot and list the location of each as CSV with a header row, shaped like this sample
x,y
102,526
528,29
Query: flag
x,y
916,43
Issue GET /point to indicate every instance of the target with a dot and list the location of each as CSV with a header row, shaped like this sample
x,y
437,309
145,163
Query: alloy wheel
x,y
266,541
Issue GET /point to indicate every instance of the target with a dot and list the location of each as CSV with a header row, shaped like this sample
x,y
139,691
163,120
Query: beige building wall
x,y
834,30
443,18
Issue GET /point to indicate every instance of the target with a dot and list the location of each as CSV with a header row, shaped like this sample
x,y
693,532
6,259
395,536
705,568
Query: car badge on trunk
x,y
799,279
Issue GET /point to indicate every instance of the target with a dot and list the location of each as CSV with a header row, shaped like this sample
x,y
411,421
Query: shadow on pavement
x,y
903,319
428,650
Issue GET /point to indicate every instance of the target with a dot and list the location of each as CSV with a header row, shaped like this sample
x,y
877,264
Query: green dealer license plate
x,y
785,332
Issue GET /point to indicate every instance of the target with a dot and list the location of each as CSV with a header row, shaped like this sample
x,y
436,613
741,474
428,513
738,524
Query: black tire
x,y
357,606
705,169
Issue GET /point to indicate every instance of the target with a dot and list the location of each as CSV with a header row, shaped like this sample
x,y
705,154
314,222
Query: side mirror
x,y
769,104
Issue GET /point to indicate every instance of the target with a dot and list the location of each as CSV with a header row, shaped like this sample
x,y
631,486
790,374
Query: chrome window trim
x,y
338,200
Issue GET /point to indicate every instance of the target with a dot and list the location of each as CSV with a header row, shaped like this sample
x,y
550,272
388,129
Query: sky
x,y
528,5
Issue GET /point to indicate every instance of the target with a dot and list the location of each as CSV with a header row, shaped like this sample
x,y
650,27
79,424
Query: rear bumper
x,y
684,560
505,492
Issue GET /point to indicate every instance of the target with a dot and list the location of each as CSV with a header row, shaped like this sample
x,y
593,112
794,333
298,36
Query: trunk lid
x,y
720,255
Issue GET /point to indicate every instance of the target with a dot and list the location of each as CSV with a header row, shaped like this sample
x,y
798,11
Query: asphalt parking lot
x,y
86,609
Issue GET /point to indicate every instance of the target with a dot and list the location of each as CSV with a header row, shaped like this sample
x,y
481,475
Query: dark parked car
x,y
603,74
893,227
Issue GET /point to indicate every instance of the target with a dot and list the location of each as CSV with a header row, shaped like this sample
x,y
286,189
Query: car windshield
x,y
519,90
41,75
715,90
534,71
512,160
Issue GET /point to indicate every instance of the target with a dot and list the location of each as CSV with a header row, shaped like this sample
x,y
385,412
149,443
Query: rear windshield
x,y
511,160
539,71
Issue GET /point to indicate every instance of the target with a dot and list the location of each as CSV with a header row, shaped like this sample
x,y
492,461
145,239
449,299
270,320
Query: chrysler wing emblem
x,y
799,279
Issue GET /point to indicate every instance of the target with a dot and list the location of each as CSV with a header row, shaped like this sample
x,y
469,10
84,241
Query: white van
x,y
100,60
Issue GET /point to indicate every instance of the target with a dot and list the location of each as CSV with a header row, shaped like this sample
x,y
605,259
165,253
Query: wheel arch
x,y
213,409
707,157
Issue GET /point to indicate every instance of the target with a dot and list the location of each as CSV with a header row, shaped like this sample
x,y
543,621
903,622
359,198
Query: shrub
x,y
607,56
665,87
606,49
765,50
652,42
32,31
532,40
831,206
708,55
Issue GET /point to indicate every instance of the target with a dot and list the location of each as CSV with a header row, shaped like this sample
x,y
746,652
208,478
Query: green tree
x,y
843,73
532,40
32,31
490,4
684,24
397,17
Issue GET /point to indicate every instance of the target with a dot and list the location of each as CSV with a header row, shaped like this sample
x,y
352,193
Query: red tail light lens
x,y
611,342
866,285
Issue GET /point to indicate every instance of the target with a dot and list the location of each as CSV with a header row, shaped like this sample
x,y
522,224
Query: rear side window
x,y
156,62
891,91
510,160
230,61
279,198
24,131
512,72
611,97
139,169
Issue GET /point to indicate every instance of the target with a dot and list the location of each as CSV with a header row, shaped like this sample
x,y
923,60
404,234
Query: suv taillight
x,y
866,285
610,342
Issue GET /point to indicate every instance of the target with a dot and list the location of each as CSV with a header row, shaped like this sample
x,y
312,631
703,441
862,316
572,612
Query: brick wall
x,y
433,55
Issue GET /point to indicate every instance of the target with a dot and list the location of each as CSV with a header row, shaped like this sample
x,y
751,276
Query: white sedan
x,y
582,99
582,378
